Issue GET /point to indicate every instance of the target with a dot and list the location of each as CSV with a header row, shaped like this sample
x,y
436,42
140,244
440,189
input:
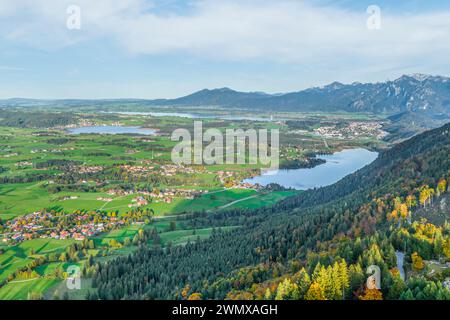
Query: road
x,y
237,201
400,260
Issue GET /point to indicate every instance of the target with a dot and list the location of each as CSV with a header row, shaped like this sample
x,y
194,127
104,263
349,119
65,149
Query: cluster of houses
x,y
160,194
52,150
65,198
168,170
157,196
228,179
246,185
172,170
87,123
45,225
224,176
88,169
138,202
139,170
353,130
9,155
104,199
119,192
22,164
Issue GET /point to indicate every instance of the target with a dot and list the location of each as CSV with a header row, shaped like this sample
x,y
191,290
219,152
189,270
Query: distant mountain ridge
x,y
415,93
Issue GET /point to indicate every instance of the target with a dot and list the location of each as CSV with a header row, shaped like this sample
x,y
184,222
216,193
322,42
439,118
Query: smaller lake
x,y
337,166
111,130
159,114
199,116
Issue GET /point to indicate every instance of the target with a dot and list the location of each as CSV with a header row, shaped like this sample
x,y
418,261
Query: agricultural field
x,y
92,197
16,257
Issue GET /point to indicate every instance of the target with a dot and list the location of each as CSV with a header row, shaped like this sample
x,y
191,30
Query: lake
x,y
199,116
337,166
111,130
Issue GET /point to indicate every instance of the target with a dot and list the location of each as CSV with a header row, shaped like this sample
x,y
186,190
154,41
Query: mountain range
x,y
414,93
427,94
412,102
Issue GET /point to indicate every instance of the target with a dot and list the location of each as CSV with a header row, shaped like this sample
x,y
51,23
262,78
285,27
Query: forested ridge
x,y
35,119
316,245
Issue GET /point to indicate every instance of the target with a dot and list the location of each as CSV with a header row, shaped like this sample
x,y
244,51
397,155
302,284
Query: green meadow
x,y
18,199
29,183
20,256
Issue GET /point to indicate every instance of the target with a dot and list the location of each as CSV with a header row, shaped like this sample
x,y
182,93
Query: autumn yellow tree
x,y
446,249
315,292
268,294
287,290
442,186
393,215
195,296
417,262
371,294
425,195
345,278
404,213
185,291
411,201
397,202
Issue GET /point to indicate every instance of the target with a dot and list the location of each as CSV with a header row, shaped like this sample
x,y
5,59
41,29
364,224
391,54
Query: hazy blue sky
x,y
168,48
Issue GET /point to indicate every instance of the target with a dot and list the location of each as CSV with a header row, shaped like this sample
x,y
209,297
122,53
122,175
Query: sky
x,y
170,48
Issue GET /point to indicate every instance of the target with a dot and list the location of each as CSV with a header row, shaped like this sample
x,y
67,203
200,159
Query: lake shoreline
x,y
337,166
111,129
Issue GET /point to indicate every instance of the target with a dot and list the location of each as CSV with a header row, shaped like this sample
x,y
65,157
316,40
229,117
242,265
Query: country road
x,y
237,201
400,260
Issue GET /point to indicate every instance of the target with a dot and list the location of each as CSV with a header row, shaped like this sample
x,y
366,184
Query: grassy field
x,y
180,237
21,255
21,290
25,153
17,199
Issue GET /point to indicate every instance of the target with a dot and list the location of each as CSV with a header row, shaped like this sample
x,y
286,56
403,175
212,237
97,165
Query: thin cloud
x,y
281,31
303,43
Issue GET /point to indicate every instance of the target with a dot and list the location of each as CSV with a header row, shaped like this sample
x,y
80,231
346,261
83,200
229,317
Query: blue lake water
x,y
197,116
111,130
338,166
160,114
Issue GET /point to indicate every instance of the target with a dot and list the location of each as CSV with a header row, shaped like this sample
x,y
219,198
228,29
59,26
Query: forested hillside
x,y
35,119
316,245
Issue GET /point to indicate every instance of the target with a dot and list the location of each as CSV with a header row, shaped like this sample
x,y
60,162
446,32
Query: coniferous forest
x,y
253,156
316,245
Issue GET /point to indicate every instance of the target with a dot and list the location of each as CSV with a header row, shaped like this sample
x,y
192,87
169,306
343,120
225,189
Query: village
x,y
156,196
168,170
60,226
353,130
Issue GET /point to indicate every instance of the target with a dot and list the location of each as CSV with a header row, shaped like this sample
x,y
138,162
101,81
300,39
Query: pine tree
x,y
303,282
315,292
345,279
336,281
